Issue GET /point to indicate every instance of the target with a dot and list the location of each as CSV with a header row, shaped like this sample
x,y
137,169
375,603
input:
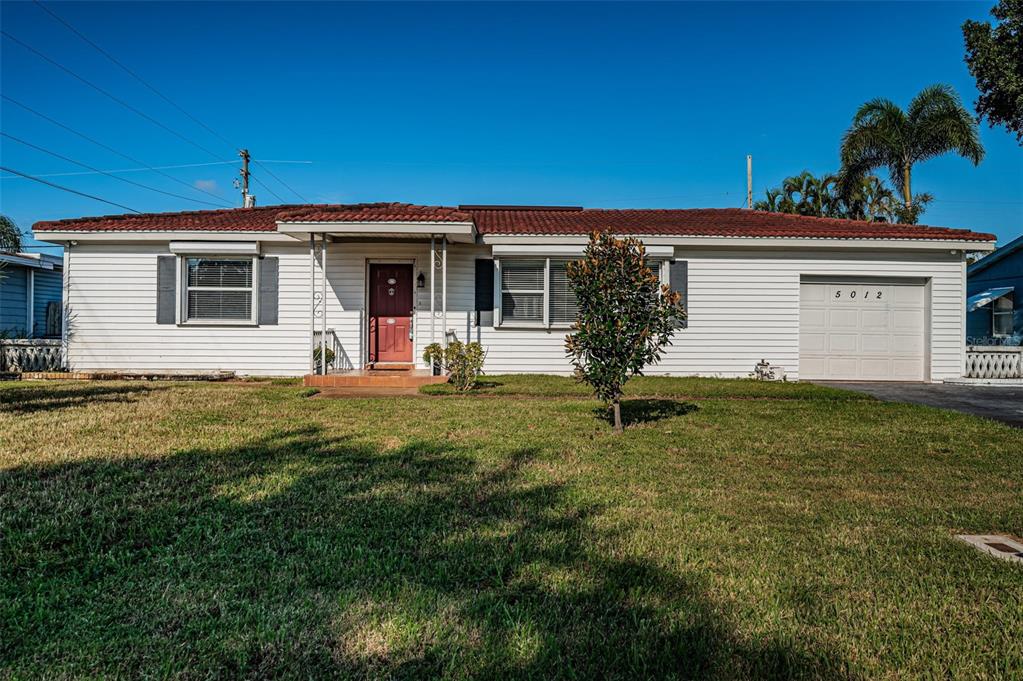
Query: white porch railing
x,y
994,361
337,357
19,356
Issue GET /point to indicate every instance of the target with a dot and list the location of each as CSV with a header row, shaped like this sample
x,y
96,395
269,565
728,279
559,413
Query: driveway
x,y
1000,403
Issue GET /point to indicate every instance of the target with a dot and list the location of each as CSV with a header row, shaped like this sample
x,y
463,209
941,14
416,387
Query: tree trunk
x,y
617,405
907,192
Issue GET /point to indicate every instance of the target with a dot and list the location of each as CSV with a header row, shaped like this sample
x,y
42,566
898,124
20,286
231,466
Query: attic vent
x,y
995,545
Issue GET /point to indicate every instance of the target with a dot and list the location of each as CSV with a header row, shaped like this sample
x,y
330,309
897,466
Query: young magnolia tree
x,y
625,319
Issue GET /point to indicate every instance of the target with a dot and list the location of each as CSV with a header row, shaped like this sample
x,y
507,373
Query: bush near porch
x,y
245,530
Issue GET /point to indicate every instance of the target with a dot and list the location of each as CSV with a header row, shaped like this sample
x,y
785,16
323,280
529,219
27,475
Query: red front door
x,y
390,313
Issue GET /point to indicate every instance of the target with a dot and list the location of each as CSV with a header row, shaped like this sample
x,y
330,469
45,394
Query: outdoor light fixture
x,y
421,281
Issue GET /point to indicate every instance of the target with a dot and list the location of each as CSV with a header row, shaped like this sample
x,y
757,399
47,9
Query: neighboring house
x,y
994,290
244,289
30,295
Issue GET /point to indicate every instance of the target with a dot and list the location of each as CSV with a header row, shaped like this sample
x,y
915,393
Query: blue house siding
x,y
13,300
47,289
1003,271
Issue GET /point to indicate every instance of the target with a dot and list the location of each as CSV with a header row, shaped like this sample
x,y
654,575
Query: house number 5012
x,y
865,295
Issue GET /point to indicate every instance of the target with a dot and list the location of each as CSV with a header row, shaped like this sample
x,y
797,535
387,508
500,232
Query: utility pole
x,y
749,181
248,200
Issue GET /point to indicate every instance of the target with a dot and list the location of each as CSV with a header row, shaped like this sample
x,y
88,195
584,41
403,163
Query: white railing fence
x,y
19,356
337,357
994,361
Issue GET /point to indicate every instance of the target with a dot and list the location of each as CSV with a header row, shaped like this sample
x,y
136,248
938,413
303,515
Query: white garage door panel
x,y
862,331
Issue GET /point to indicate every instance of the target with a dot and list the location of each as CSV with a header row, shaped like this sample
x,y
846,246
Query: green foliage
x,y
995,57
806,194
626,316
882,135
10,235
329,354
462,361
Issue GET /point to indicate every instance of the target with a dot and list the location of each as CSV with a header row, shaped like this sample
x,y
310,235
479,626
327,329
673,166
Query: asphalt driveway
x,y
1000,403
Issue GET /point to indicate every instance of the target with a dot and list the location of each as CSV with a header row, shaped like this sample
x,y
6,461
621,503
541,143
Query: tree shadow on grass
x,y
303,554
54,397
639,411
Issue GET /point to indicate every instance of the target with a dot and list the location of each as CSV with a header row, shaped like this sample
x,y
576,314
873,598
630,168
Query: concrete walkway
x,y
1001,403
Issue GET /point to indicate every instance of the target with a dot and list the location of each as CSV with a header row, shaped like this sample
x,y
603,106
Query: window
x,y
536,292
218,289
561,305
1001,316
522,290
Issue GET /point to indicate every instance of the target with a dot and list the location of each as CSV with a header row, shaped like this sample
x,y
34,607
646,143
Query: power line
x,y
112,150
264,186
162,96
126,170
286,185
67,189
130,72
103,172
107,94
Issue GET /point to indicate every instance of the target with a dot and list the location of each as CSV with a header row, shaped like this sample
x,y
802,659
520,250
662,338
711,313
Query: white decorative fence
x,y
994,361
19,356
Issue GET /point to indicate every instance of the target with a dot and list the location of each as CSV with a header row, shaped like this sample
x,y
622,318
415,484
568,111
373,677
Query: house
x,y
30,295
994,290
253,290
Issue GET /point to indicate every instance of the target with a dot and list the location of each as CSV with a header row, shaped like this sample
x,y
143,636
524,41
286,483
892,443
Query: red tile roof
x,y
374,212
537,220
736,222
262,219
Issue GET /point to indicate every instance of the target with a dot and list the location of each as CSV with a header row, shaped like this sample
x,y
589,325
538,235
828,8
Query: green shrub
x,y
462,361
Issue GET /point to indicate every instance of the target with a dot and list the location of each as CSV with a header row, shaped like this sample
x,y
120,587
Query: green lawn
x,y
736,529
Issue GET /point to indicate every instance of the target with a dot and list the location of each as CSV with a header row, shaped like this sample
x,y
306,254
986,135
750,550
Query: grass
x,y
224,530
649,386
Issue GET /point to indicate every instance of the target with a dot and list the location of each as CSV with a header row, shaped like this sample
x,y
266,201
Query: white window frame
x,y
499,292
995,313
183,288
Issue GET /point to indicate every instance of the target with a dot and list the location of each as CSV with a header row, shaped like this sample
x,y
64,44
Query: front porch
x,y
379,294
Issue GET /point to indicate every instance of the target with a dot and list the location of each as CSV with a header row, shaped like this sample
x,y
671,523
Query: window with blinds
x,y
522,290
218,289
561,305
536,292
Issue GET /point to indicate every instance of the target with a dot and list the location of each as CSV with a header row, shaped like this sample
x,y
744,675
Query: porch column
x,y
433,268
312,302
444,289
323,320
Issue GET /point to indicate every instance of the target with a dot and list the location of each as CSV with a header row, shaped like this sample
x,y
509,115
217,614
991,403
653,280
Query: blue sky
x,y
602,105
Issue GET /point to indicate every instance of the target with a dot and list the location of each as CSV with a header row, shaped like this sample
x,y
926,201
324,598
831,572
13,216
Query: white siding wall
x,y
112,299
744,307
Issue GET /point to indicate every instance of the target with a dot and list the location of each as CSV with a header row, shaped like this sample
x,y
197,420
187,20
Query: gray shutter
x,y
166,289
268,276
484,292
678,280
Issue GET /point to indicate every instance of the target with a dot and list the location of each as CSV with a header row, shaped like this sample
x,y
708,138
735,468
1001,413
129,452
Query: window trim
x,y
1010,313
499,318
182,291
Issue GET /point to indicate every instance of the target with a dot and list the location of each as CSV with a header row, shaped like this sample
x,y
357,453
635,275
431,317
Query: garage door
x,y
862,331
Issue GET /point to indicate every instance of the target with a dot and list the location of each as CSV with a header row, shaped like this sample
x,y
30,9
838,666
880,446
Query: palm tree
x,y
883,135
10,235
869,199
771,201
